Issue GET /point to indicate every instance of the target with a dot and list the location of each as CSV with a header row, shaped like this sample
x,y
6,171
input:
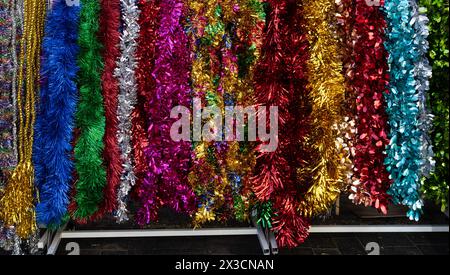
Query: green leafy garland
x,y
90,117
436,187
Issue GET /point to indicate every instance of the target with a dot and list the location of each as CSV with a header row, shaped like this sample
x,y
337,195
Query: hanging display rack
x,y
50,241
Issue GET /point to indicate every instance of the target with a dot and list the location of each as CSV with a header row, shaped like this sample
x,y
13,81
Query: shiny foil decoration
x,y
248,24
369,81
145,191
109,36
422,75
8,158
327,91
52,148
168,160
88,192
125,73
207,176
8,108
403,160
280,80
347,131
17,201
436,187
403,153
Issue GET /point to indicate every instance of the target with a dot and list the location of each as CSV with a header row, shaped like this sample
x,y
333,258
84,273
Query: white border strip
x,y
158,233
248,231
378,228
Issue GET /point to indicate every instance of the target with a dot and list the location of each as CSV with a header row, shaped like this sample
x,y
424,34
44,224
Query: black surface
x,y
316,244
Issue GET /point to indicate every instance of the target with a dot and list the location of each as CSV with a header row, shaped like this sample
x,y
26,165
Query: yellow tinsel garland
x,y
327,90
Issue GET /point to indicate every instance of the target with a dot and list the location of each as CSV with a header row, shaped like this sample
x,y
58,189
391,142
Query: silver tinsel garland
x,y
422,75
125,73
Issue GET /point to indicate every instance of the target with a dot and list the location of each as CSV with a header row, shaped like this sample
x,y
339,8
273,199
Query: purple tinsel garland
x,y
168,159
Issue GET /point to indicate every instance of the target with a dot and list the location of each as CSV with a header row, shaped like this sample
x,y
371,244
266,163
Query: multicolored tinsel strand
x,y
8,159
125,72
146,191
9,240
109,37
90,118
52,152
327,90
403,160
369,81
17,203
247,39
207,177
436,186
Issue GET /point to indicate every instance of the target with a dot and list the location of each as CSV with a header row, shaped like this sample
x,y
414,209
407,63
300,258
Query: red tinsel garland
x,y
109,36
370,83
280,81
145,55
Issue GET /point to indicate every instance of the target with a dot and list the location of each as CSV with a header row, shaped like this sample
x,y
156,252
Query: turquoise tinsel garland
x,y
403,159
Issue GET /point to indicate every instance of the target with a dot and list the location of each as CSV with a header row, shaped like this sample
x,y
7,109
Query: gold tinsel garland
x,y
17,204
326,85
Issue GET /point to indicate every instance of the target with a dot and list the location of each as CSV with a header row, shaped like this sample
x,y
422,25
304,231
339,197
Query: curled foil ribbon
x,y
125,73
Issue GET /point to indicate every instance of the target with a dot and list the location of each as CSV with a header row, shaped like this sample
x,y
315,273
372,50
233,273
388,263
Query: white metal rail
x,y
266,239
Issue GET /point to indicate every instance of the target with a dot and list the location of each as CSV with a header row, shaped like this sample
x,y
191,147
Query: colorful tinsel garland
x,y
280,80
109,37
17,203
403,160
369,83
326,93
8,108
207,177
125,73
52,155
168,160
90,117
146,191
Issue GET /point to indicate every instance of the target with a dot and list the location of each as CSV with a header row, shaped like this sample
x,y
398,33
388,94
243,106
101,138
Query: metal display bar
x,y
266,239
139,233
378,228
157,233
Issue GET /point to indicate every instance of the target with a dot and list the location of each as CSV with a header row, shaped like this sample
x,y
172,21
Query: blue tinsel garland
x,y
55,117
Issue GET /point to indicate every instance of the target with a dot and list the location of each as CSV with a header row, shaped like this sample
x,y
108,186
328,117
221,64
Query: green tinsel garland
x,y
436,187
90,117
